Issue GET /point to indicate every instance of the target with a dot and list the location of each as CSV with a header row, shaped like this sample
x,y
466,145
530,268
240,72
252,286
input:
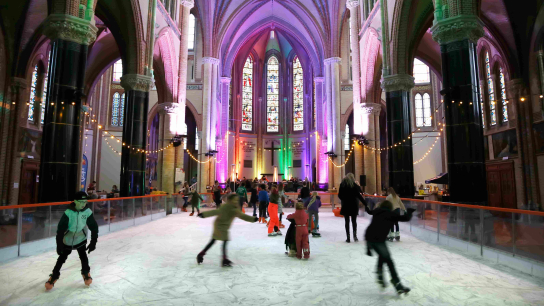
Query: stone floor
x,y
154,264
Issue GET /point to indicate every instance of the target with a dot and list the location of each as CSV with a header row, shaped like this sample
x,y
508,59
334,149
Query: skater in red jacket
x,y
301,220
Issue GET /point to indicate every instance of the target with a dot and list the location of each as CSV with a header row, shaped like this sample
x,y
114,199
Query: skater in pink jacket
x,y
301,220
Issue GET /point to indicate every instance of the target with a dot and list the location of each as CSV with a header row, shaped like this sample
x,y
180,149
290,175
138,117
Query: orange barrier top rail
x,y
68,202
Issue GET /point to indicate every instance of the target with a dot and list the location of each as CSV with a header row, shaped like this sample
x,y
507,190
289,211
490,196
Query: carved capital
x,y
397,82
332,60
70,28
225,80
319,79
370,108
171,108
210,60
458,28
188,3
18,82
136,82
351,4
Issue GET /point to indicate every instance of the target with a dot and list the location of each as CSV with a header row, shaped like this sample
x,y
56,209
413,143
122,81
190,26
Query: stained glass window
x,y
491,92
115,109
197,140
33,94
346,139
421,72
122,112
419,110
191,31
482,105
427,120
117,71
272,95
503,97
44,95
247,98
298,95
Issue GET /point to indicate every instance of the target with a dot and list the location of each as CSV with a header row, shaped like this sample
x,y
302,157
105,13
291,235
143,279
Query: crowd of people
x,y
271,199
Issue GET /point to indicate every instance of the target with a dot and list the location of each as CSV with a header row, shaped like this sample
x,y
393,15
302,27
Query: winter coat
x,y
72,227
242,193
195,200
290,236
280,204
349,195
225,215
315,205
397,203
382,221
304,192
254,196
274,198
300,217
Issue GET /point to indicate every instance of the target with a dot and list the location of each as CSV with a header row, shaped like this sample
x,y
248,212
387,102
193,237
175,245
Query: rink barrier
x,y
511,237
30,229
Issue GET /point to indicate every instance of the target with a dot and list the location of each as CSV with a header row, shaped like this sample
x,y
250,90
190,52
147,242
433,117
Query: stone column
x,y
214,118
170,115
377,145
355,63
206,140
59,163
184,15
321,163
336,113
134,134
458,37
222,168
369,111
399,133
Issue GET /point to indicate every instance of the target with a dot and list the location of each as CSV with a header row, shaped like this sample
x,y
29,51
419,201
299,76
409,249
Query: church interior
x,y
129,100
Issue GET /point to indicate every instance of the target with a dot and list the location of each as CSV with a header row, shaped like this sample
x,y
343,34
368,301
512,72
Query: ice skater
x,y
397,206
312,205
195,202
301,220
71,236
263,203
382,219
225,215
274,224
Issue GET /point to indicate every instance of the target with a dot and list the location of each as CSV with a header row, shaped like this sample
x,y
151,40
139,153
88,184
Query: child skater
x,y
301,220
195,202
225,215
71,236
397,206
376,234
274,224
312,204
263,203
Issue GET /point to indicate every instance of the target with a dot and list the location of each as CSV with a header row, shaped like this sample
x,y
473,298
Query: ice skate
x,y
226,263
316,233
273,234
51,282
192,213
400,288
390,237
397,236
379,280
200,257
355,239
278,233
87,279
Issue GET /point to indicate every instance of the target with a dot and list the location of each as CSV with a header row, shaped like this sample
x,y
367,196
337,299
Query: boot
x,y
87,279
200,257
226,263
397,236
400,288
379,279
355,236
347,234
192,213
390,237
51,282
184,209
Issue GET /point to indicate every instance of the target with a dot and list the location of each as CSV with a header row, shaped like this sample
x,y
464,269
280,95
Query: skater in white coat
x,y
397,206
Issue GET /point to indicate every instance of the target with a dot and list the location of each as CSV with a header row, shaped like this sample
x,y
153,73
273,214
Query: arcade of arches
x,y
150,93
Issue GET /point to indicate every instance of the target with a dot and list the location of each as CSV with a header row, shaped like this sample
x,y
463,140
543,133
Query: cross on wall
x,y
272,149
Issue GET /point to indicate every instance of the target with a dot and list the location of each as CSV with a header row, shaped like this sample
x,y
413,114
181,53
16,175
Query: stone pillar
x,y
369,111
18,114
377,145
206,140
458,37
399,133
222,167
334,138
59,163
170,115
355,64
184,15
134,134
214,118
321,163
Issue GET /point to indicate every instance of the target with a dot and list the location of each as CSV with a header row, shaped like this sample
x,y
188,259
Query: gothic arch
x,y
166,63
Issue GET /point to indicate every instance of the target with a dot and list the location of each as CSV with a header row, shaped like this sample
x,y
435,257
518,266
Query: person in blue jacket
x,y
72,235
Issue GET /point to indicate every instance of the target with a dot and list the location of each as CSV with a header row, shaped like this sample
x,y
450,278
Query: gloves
x,y
92,246
200,215
60,250
255,219
411,210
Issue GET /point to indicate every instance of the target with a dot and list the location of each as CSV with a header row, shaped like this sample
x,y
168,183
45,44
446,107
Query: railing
x,y
513,231
21,224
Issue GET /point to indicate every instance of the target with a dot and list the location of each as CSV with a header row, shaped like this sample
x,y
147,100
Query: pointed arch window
x,y
298,95
247,98
503,96
272,94
192,22
490,92
421,72
197,139
117,71
44,95
346,139
33,94
482,106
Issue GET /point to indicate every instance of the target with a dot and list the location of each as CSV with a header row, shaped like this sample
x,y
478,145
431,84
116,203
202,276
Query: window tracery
x,y
298,95
272,95
247,95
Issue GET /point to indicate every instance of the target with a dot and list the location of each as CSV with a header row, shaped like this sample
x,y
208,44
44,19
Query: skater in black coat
x,y
376,234
350,194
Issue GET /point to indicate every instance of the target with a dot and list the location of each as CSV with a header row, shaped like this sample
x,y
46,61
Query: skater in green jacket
x,y
195,202
225,215
72,235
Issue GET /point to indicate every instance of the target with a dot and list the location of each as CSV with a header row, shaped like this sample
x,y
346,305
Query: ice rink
x,y
154,264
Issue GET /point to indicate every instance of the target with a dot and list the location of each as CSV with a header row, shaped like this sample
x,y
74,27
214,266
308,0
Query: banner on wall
x,y
84,166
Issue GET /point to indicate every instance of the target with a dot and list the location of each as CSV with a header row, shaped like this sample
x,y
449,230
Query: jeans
x,y
396,223
316,222
65,253
185,198
263,205
384,257
254,205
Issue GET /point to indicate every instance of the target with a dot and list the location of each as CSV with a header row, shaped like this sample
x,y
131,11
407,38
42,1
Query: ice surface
x,y
154,264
